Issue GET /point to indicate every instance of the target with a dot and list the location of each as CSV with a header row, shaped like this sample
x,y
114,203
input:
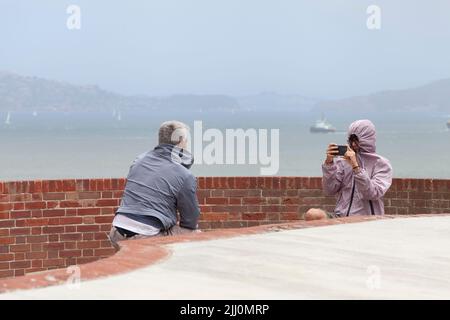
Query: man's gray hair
x,y
173,132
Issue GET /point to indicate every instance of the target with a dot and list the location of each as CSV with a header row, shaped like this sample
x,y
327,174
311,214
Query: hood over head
x,y
365,131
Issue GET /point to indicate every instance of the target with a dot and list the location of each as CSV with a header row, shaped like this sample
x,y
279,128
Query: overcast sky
x,y
316,48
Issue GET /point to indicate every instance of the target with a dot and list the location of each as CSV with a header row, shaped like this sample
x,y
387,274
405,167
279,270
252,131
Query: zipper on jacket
x,y
351,198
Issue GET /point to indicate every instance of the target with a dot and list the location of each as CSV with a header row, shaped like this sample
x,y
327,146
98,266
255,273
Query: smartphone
x,y
342,150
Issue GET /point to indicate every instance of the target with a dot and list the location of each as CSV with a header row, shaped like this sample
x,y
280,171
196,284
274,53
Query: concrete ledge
x,y
135,254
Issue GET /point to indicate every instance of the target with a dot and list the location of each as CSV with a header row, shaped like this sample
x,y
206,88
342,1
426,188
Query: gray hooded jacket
x,y
159,184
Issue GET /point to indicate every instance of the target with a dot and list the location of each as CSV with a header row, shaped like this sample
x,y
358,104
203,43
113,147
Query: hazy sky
x,y
315,47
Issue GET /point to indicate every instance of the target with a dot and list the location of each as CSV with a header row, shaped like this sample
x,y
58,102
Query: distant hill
x,y
273,101
431,97
19,93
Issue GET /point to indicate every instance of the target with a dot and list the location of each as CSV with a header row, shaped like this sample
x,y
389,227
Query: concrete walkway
x,y
383,259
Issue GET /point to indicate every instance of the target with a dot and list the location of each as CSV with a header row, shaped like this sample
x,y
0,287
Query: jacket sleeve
x,y
187,204
373,188
333,175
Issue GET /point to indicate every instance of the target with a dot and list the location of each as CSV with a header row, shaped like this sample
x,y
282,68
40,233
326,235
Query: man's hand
x,y
332,151
350,157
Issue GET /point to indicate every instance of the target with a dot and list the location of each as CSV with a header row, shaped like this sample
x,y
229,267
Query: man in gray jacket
x,y
160,194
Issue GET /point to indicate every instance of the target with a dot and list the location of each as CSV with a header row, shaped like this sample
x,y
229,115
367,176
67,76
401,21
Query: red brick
x,y
4,215
37,263
5,206
88,220
290,216
71,196
7,240
36,230
88,228
216,200
20,264
36,247
52,230
69,185
88,252
70,204
105,227
54,196
71,236
20,248
88,244
35,205
36,255
89,195
88,236
36,222
107,195
88,211
37,239
6,257
107,203
214,216
100,236
70,245
253,200
36,213
20,214
20,231
254,216
70,229
53,263
54,213
7,223
52,246
104,219
70,220
107,211
18,206
69,253
118,194
6,273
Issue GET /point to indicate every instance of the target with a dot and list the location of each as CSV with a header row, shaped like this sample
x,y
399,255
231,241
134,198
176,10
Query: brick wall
x,y
57,223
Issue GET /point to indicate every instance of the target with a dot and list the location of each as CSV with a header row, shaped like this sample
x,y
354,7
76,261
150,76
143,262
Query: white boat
x,y
34,113
8,119
322,126
119,116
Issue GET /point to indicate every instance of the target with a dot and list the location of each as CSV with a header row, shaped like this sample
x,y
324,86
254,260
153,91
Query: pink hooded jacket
x,y
370,184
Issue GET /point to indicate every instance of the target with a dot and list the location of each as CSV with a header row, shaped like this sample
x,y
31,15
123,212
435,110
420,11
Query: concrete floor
x,y
384,259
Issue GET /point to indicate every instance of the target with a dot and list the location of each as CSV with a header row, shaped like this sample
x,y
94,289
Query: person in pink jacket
x,y
359,180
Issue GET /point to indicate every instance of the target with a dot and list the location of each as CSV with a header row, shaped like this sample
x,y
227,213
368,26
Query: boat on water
x,y
448,124
322,126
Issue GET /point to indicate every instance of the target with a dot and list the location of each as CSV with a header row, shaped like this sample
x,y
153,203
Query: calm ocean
x,y
81,145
